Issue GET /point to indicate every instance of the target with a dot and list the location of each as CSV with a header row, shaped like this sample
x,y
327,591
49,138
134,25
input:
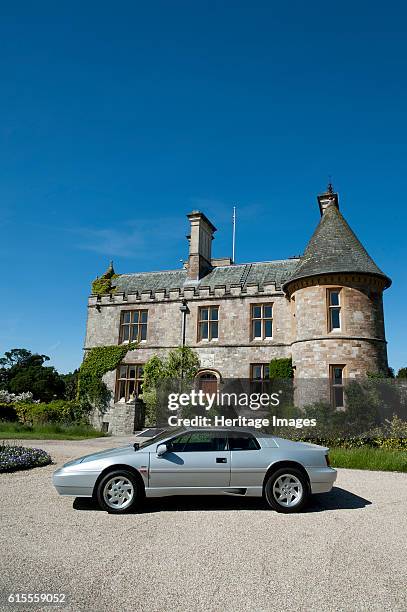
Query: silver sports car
x,y
201,462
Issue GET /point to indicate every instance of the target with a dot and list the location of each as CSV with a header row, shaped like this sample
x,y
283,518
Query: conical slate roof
x,y
334,247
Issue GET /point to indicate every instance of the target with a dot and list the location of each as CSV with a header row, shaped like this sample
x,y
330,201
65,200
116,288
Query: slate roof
x,y
236,274
334,247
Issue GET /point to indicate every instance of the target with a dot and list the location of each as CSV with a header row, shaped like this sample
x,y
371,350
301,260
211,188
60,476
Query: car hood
x,y
112,452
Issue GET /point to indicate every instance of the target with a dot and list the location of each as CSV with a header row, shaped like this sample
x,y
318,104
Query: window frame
x,y
212,433
263,381
209,322
262,320
331,307
137,382
131,325
334,386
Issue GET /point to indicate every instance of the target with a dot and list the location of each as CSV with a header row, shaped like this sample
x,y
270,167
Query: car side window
x,y
242,442
177,445
205,441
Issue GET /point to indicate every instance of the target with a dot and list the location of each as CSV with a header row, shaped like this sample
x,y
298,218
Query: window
x,y
208,323
337,392
242,442
129,382
261,321
334,309
133,325
259,377
199,441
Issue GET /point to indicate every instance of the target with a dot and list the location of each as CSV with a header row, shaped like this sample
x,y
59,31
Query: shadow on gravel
x,y
335,500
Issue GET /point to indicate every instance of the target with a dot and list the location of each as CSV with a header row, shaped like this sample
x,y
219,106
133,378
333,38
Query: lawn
x,y
366,458
50,431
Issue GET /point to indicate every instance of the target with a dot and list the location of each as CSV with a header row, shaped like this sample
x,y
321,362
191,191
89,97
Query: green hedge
x,y
58,411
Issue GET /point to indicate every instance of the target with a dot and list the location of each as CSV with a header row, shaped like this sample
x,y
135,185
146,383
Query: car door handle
x,y
221,460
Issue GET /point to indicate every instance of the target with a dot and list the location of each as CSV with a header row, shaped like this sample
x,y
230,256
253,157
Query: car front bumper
x,y
321,479
69,481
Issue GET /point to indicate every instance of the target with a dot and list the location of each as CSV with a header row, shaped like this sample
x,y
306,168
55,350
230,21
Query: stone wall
x,y
300,329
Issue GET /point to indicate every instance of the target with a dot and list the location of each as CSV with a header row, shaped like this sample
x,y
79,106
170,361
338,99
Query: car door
x,y
246,460
194,459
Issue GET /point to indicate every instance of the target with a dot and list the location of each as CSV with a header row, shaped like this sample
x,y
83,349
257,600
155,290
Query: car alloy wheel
x,y
286,490
118,491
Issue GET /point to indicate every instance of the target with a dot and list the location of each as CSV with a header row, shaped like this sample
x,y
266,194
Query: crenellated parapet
x,y
185,293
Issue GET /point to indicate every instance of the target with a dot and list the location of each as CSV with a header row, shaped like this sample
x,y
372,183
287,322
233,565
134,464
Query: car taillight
x,y
327,460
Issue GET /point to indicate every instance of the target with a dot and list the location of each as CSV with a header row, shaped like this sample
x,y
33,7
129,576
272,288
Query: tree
x,y
23,371
402,373
71,384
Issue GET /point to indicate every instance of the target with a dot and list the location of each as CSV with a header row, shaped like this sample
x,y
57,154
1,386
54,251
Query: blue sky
x,y
118,119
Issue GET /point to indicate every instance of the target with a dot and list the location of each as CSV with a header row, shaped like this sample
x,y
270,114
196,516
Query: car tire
x,y
287,490
119,492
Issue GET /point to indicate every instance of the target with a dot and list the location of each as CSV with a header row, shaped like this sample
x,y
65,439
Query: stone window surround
x,y
199,339
252,338
334,385
329,307
132,325
137,381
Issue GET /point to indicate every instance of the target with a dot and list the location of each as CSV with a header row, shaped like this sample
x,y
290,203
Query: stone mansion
x,y
324,309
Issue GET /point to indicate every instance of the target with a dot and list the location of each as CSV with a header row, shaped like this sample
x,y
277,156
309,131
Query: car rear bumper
x,y
68,482
321,479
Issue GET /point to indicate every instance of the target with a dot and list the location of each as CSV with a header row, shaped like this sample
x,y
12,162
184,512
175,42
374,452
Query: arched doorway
x,y
208,381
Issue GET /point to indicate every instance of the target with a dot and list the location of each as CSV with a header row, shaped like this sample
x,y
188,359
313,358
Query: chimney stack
x,y
200,245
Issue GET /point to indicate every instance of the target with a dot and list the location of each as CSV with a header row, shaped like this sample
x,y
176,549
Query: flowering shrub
x,y
14,458
13,398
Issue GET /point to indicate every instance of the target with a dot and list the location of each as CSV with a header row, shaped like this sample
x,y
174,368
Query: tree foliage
x,y
21,371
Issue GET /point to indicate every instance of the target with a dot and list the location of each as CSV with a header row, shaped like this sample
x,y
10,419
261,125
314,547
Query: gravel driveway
x,y
346,552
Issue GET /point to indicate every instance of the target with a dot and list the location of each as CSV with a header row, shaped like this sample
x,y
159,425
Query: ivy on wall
x,y
98,361
281,368
103,285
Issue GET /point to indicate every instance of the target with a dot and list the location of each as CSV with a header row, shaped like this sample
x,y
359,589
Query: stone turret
x,y
336,302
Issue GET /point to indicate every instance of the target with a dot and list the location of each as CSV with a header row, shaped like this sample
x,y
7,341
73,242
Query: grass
x,y
50,431
366,458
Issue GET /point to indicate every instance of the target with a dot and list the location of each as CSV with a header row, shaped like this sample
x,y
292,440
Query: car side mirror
x,y
161,450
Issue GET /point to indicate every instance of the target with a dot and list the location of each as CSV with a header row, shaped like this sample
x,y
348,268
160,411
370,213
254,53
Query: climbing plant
x,y
103,285
98,361
182,363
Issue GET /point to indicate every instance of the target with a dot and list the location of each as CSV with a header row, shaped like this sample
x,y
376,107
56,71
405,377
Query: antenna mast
x,y
234,234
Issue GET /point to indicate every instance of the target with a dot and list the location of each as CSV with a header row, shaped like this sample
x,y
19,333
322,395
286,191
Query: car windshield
x,y
161,436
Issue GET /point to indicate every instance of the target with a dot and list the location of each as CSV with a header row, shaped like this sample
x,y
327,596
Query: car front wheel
x,y
286,490
118,492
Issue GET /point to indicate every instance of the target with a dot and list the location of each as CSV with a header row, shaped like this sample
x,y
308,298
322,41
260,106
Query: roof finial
x,y
110,270
330,186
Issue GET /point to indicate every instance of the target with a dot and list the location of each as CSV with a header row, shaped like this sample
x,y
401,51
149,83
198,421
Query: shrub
x,y
58,411
14,458
12,398
281,369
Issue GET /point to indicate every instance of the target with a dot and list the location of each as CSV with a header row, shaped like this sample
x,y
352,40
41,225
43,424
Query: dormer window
x,y
334,310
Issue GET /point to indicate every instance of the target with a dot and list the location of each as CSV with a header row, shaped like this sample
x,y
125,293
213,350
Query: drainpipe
x,y
184,311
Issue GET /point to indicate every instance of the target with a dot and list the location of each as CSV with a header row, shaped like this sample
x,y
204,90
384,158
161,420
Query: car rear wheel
x,y
118,492
286,490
